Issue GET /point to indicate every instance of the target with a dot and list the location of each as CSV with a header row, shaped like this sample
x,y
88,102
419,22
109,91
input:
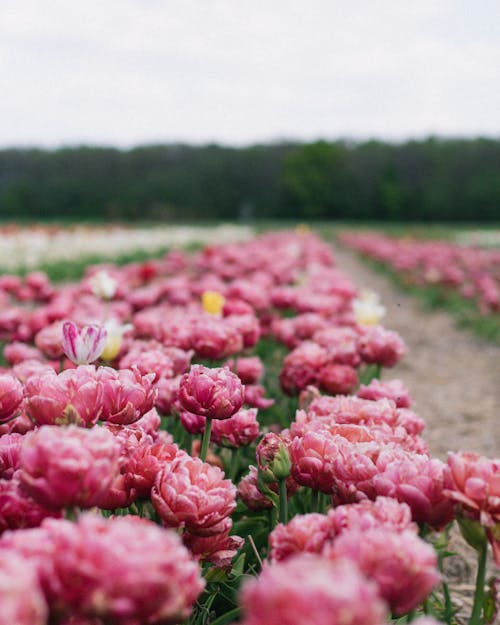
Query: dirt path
x,y
453,376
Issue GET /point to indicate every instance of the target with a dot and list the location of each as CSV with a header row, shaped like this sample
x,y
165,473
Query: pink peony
x,y
49,340
192,494
476,488
304,533
250,369
301,367
383,512
79,473
394,389
123,569
403,566
85,345
127,395
21,598
11,397
219,549
238,431
213,393
75,396
336,379
10,454
419,481
380,346
309,589
17,509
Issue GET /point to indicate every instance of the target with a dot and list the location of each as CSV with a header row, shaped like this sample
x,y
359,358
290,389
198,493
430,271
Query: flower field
x,y
215,437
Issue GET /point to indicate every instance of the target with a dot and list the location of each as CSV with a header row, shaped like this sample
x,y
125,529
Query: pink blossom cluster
x,y
470,271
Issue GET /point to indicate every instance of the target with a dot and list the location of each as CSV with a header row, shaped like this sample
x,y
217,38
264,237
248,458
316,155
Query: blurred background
x,y
191,110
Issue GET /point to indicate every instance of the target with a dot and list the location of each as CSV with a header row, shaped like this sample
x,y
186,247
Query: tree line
x,y
434,179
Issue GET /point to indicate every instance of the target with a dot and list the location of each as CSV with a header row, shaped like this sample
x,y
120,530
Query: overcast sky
x,y
122,72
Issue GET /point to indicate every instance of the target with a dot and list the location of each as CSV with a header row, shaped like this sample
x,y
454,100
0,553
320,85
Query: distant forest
x,y
434,179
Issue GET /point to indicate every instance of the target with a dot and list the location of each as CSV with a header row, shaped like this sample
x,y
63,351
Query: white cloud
x,y
131,71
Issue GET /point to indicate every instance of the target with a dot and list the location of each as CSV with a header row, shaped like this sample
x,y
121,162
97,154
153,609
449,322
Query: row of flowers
x,y
472,272
146,477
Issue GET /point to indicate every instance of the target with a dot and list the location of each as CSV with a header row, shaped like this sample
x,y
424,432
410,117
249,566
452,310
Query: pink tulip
x,y
240,430
250,369
79,473
392,389
17,509
21,598
304,533
336,379
383,512
146,461
127,395
249,493
192,494
380,346
75,396
11,397
213,393
49,340
476,490
17,352
419,481
301,367
254,396
403,566
219,549
85,345
10,454
309,589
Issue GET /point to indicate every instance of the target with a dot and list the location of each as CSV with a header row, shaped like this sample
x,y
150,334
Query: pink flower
x,y
49,340
168,395
249,493
301,367
192,494
250,369
214,338
380,346
394,389
338,379
304,533
17,352
146,461
10,454
122,570
11,397
17,509
74,396
383,512
219,549
238,431
254,396
476,488
127,395
309,589
419,481
213,393
21,598
79,473
192,423
83,346
403,565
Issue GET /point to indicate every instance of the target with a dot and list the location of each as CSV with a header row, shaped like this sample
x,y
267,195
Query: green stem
x,y
315,501
448,606
477,609
235,464
206,440
283,513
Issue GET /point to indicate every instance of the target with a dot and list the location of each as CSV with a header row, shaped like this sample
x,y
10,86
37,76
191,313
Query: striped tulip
x,y
85,345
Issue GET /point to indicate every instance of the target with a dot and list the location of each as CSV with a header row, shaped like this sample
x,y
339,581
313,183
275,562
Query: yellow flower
x,y
115,339
302,229
212,302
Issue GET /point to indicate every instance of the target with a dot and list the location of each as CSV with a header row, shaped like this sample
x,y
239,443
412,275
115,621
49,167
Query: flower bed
x,y
204,438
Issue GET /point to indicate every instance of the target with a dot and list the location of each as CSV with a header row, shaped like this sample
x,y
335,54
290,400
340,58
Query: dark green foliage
x,y
430,180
